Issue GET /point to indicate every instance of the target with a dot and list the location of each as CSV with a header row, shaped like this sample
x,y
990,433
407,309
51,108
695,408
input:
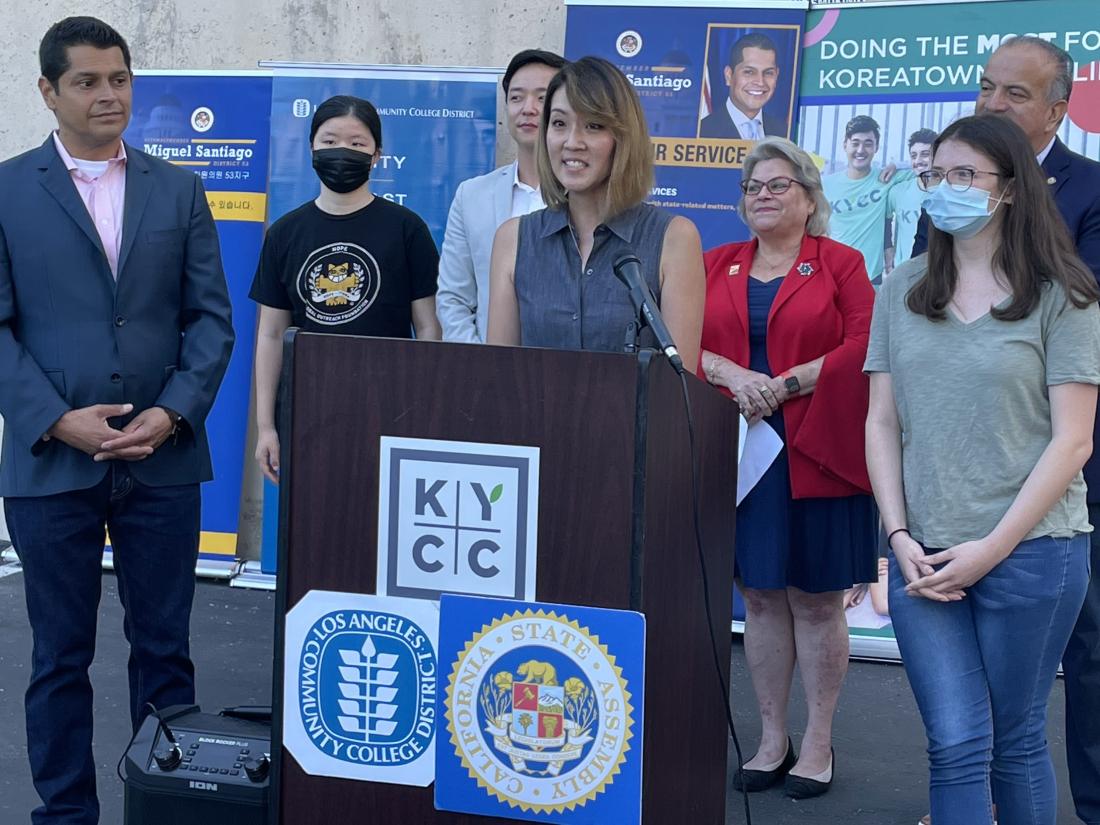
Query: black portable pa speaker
x,y
215,773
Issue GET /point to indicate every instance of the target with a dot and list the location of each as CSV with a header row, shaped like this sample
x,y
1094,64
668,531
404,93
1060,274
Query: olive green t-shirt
x,y
974,409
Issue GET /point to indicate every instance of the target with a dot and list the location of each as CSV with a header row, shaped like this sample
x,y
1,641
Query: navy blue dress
x,y
814,544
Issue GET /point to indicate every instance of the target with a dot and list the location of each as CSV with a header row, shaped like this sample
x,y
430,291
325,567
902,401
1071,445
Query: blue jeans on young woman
x,y
59,539
982,669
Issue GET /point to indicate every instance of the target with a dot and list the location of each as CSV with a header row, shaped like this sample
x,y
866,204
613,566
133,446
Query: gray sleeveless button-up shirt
x,y
562,306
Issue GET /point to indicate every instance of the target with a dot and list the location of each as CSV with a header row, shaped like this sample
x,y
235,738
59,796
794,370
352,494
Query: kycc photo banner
x,y
907,70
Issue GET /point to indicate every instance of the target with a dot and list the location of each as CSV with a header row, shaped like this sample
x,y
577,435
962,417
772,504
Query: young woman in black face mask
x,y
346,262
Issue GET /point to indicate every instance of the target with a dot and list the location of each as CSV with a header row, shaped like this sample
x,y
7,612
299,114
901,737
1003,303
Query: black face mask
x,y
342,170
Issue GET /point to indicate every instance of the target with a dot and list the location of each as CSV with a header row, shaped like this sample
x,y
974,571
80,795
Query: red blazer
x,y
823,308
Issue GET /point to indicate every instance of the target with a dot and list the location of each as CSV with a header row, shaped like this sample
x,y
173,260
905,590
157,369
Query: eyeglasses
x,y
960,178
777,186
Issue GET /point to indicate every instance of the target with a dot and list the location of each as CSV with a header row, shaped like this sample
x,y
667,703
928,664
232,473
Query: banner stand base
x,y
862,647
238,573
207,568
252,576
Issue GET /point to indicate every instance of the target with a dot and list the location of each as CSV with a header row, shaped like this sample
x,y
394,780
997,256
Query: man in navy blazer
x,y
114,335
1029,81
751,73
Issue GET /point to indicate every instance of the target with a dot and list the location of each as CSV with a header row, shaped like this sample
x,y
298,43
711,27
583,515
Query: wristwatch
x,y
792,385
175,418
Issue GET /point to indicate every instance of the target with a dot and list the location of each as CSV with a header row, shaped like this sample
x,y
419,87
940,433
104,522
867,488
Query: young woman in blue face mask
x,y
347,262
984,360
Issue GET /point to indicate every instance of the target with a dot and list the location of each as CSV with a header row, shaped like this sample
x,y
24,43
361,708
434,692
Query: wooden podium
x,y
615,528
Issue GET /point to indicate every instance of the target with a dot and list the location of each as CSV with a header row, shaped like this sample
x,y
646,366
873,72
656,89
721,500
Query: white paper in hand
x,y
757,448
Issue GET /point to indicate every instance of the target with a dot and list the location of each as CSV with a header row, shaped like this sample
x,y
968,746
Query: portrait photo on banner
x,y
750,80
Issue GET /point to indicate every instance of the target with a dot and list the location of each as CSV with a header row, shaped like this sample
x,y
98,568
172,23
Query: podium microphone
x,y
628,269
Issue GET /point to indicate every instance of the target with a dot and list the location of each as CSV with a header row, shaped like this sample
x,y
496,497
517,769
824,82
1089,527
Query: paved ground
x,y
880,747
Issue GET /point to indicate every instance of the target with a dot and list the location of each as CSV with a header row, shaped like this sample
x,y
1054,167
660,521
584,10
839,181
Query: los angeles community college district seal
x,y
538,712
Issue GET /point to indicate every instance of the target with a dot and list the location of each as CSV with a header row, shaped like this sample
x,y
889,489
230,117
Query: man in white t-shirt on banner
x,y
483,203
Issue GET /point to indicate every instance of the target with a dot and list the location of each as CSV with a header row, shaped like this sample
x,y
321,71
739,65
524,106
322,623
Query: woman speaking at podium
x,y
347,262
787,321
551,277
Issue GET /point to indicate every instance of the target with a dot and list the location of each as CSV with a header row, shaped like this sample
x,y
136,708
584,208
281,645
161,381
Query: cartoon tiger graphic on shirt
x,y
336,284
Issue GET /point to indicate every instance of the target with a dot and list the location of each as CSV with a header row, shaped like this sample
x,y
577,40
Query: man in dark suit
x,y
114,335
751,74
1029,81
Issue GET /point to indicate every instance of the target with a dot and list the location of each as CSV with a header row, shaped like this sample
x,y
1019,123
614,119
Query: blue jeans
x,y
982,669
59,539
1081,664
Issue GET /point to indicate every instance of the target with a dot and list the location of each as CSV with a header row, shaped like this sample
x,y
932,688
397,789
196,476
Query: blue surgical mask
x,y
962,214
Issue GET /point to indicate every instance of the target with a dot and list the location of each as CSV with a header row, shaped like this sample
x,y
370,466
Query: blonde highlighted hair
x,y
600,93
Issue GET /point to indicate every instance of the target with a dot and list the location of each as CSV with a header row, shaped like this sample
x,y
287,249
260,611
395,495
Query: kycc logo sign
x,y
457,517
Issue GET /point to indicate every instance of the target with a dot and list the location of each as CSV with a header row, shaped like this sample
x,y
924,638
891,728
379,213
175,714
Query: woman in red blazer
x,y
785,333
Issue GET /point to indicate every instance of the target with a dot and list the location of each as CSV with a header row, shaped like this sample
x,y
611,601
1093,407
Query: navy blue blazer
x,y
71,336
1075,184
719,124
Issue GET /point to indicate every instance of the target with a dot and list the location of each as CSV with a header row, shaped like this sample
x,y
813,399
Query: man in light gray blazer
x,y
483,203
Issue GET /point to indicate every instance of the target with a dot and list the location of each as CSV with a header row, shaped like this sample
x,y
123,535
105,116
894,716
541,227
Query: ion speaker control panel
x,y
213,757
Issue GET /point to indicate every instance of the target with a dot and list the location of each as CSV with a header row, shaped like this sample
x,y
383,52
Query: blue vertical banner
x,y
216,123
438,129
678,57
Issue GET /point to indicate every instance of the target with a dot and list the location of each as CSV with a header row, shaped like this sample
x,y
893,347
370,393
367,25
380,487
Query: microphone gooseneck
x,y
628,269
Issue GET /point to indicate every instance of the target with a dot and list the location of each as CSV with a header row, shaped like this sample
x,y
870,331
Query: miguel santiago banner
x,y
216,123
712,79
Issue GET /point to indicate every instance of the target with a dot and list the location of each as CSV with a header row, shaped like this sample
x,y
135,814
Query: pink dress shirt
x,y
104,197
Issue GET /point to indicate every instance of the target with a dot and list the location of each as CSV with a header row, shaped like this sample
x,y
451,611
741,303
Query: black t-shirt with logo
x,y
355,274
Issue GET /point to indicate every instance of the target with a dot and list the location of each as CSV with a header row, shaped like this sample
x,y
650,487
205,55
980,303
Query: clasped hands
x,y
757,395
86,429
962,566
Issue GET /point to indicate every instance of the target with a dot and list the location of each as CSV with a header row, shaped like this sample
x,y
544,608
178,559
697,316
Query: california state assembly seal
x,y
538,711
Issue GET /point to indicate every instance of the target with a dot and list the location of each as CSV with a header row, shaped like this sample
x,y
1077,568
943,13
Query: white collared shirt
x,y
525,199
750,128
1042,156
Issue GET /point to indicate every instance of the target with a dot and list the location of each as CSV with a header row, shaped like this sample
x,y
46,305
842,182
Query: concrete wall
x,y
236,34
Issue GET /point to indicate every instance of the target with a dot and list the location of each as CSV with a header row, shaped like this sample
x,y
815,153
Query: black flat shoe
x,y
762,780
802,787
